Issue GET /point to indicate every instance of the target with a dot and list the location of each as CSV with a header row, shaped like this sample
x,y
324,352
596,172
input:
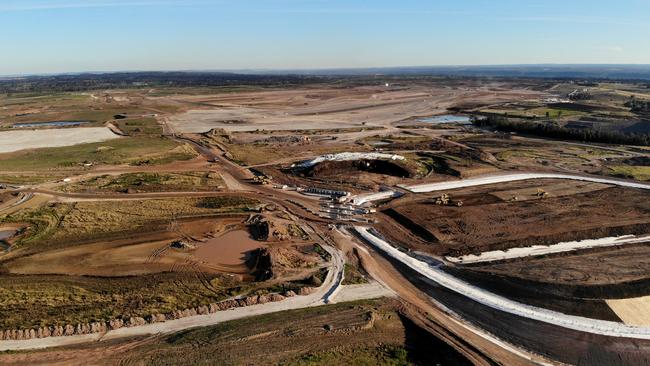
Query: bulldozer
x,y
541,193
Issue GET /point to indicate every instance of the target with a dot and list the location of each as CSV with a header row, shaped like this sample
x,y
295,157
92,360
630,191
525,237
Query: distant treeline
x,y
83,82
550,129
638,106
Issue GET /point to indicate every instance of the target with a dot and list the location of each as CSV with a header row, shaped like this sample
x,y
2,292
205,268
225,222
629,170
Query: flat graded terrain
x,y
632,311
11,141
609,266
487,222
326,109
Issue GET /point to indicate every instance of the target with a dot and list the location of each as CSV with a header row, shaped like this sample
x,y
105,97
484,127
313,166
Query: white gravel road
x,y
495,179
587,325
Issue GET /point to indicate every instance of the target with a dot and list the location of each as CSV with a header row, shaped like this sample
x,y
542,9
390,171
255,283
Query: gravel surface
x,y
20,140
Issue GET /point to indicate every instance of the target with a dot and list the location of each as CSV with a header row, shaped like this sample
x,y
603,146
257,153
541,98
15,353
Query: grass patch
x,y
384,355
633,172
225,202
322,252
129,150
353,276
32,301
148,182
140,126
63,224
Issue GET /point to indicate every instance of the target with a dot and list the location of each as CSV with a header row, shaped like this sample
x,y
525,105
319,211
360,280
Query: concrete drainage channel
x,y
594,326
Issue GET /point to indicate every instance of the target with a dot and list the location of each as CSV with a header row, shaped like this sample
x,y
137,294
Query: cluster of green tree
x,y
550,129
82,82
638,106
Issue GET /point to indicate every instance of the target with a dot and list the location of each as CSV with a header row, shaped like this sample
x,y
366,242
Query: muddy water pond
x,y
6,234
231,249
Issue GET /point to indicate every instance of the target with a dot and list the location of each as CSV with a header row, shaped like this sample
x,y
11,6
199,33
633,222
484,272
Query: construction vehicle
x,y
445,200
541,193
261,180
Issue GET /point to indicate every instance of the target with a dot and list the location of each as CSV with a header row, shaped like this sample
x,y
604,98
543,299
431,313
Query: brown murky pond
x,y
231,248
6,234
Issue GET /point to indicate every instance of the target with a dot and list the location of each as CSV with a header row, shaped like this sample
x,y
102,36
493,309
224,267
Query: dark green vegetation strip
x,y
128,150
550,129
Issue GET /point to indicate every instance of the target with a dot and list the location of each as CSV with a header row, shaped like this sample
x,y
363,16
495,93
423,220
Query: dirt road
x,y
477,345
594,326
323,295
504,178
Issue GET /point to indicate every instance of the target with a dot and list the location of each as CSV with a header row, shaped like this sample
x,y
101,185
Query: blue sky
x,y
49,36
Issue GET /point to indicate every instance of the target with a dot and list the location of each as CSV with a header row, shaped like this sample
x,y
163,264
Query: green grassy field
x,y
627,171
139,126
32,301
138,150
64,224
149,182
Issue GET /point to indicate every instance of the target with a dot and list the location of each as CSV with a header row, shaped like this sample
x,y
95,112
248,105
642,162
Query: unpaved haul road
x,y
594,326
494,179
538,250
323,295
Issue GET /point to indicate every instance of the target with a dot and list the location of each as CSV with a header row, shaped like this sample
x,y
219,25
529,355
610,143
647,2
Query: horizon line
x,y
313,69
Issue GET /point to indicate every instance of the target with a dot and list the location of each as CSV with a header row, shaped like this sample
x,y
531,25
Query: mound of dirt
x,y
328,169
272,229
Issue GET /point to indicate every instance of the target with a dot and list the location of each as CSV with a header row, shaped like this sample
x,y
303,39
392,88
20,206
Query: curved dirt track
x,y
323,295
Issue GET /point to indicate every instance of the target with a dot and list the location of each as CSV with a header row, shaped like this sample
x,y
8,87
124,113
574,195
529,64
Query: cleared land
x,y
634,311
628,264
132,236
325,108
11,141
486,223
148,182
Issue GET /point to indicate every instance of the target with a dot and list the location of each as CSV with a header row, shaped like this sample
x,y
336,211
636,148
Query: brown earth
x,y
614,266
368,332
488,223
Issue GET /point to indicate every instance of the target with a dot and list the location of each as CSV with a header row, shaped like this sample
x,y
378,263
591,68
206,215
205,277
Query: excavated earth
x,y
486,222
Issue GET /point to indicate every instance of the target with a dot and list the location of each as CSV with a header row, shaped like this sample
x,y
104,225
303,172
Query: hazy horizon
x,y
72,36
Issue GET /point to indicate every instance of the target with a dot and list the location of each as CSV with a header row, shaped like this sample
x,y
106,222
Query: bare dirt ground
x,y
485,222
633,311
270,130
326,108
19,140
599,267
